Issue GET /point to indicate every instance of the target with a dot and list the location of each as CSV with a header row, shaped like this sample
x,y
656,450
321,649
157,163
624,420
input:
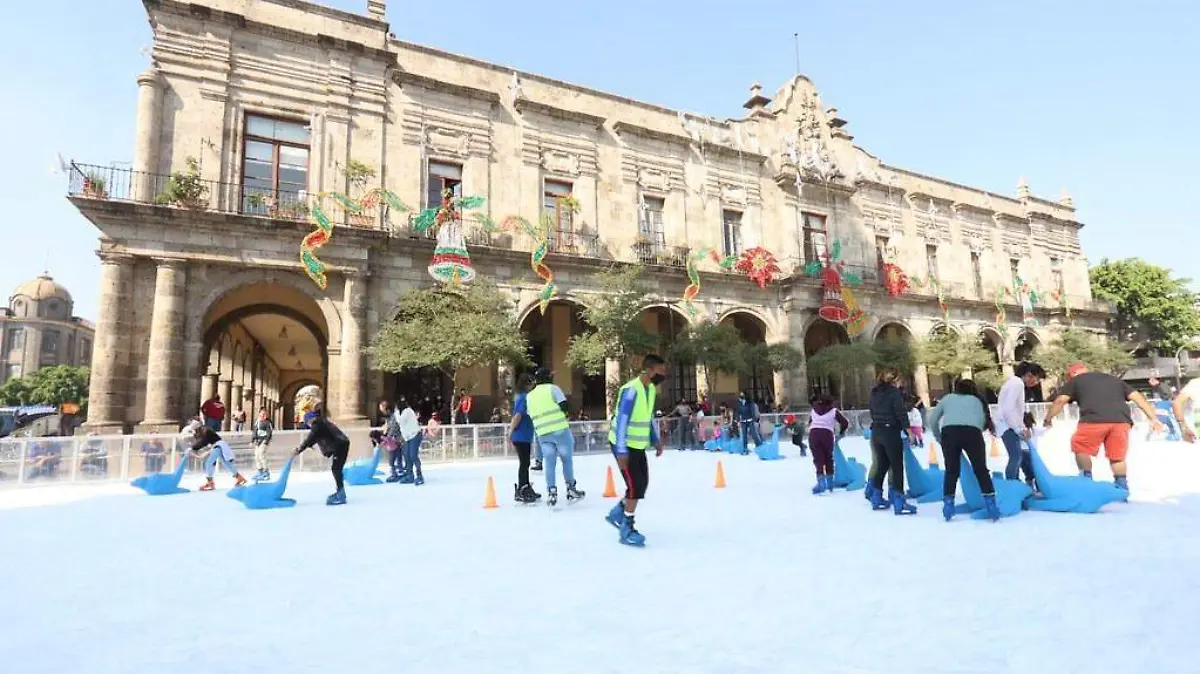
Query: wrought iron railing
x,y
574,243
187,191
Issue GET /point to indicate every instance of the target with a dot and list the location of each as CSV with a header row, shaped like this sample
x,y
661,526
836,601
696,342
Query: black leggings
x,y
339,462
955,441
887,456
522,462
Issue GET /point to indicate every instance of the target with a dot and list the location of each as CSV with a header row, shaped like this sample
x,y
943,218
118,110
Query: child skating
x,y
219,451
916,426
633,431
263,431
824,421
334,445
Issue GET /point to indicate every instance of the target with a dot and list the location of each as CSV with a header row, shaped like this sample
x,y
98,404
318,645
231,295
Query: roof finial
x,y
1023,191
377,9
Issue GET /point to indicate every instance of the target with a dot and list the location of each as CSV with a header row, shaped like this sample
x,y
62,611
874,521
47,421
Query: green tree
x,y
897,353
771,358
1078,346
54,385
1154,310
615,327
842,361
451,329
716,348
953,355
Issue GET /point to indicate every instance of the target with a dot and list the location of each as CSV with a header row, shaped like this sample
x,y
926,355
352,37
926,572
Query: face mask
x,y
658,379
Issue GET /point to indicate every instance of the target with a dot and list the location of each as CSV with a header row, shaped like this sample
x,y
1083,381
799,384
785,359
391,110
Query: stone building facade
x,y
276,104
38,329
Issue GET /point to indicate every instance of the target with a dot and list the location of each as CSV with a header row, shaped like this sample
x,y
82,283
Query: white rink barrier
x,y
56,460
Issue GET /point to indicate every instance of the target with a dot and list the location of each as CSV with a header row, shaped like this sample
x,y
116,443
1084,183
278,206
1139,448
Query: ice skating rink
x,y
758,577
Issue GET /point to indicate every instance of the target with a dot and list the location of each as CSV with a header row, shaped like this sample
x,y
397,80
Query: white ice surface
x,y
759,577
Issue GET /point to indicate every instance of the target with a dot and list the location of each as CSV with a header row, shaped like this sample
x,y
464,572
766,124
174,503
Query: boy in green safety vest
x,y
632,431
547,408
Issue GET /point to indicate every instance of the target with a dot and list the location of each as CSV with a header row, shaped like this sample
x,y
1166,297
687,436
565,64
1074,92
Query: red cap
x,y
1075,369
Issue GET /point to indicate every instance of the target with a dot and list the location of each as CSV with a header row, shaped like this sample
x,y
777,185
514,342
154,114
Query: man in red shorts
x,y
1104,418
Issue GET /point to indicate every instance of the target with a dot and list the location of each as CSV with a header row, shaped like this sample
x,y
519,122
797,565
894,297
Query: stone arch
x,y
1025,343
770,330
668,321
754,329
820,334
226,285
892,326
991,339
943,328
287,399
548,334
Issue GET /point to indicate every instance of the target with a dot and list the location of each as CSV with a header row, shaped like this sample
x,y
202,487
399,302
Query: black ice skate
x,y
523,493
574,494
552,497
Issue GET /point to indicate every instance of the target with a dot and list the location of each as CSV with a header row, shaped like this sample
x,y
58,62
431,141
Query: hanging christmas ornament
x,y
833,304
312,265
894,279
451,263
759,265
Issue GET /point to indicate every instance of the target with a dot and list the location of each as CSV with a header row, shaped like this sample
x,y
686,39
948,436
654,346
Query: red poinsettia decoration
x,y
759,265
894,279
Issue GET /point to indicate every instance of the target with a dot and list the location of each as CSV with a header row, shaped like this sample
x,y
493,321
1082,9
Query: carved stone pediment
x,y
733,194
448,141
557,161
652,179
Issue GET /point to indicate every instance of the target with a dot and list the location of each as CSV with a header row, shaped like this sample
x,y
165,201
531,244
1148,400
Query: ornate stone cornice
x,y
403,77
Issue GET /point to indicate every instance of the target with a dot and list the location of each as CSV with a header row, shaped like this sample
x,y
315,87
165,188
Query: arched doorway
x,y
258,339
298,400
549,336
820,335
759,382
940,383
991,340
668,323
1026,344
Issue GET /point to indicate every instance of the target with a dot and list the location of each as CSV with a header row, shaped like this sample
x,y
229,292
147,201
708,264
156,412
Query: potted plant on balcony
x,y
185,188
95,186
357,174
257,201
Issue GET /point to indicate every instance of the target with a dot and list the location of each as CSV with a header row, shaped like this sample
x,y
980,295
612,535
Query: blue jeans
x,y
412,454
537,450
555,446
748,428
214,424
218,454
1018,460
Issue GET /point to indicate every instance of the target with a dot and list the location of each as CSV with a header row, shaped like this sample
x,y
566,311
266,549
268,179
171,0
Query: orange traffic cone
x,y
933,457
610,489
489,497
995,447
720,484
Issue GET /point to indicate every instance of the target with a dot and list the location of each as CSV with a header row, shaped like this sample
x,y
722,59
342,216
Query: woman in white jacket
x,y
410,433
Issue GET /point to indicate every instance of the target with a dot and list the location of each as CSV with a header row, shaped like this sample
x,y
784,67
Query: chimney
x,y
1065,199
377,9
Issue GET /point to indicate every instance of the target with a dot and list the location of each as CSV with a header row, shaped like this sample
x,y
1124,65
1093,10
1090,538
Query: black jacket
x,y
326,435
207,437
887,406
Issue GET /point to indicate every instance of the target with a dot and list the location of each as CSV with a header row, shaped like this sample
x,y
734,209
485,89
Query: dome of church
x,y
42,288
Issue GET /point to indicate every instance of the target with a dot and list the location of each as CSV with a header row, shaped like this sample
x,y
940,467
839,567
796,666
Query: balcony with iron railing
x,y
651,248
186,190
574,243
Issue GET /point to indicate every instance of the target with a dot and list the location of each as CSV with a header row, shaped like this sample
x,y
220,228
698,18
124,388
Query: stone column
x,y
164,369
146,130
351,382
251,404
226,389
921,383
236,400
208,387
108,389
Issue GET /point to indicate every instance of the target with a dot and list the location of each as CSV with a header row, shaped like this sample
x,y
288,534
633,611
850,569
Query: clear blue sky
x,y
1100,98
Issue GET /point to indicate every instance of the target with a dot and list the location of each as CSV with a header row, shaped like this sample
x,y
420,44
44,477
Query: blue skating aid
x,y
847,473
1010,494
265,495
866,433
1073,494
163,484
769,451
924,484
364,471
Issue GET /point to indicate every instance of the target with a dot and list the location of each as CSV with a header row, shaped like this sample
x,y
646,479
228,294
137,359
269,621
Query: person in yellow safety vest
x,y
633,431
547,408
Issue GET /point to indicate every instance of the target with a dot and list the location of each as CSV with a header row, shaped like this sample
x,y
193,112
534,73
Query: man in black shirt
x,y
1104,418
334,445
